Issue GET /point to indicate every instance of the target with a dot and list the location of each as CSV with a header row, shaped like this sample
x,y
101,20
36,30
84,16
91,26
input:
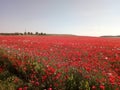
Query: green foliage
x,y
11,78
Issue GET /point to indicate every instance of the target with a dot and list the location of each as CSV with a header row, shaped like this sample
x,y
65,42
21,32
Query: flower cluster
x,y
62,62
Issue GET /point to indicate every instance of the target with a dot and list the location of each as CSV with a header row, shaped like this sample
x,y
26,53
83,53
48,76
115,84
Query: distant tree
x,y
29,33
25,33
36,33
21,33
16,33
41,33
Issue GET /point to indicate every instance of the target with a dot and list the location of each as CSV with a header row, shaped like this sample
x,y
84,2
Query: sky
x,y
79,17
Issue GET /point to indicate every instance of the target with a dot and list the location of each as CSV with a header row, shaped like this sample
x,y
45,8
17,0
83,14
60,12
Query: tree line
x,y
25,33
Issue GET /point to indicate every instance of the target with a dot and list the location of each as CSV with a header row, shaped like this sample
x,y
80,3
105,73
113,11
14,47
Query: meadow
x,y
59,63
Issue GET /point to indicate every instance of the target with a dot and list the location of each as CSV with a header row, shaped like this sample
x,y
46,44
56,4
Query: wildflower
x,y
49,88
37,83
1,69
25,88
20,88
102,87
93,87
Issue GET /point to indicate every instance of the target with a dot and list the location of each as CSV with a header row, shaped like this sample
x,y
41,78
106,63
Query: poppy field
x,y
59,63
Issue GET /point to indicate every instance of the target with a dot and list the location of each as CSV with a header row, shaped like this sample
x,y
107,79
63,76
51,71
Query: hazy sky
x,y
80,17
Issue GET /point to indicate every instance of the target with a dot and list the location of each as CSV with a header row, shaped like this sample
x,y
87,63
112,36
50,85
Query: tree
x,y
41,33
29,33
36,33
25,33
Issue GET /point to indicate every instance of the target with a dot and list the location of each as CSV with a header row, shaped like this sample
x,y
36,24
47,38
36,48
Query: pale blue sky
x,y
80,17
